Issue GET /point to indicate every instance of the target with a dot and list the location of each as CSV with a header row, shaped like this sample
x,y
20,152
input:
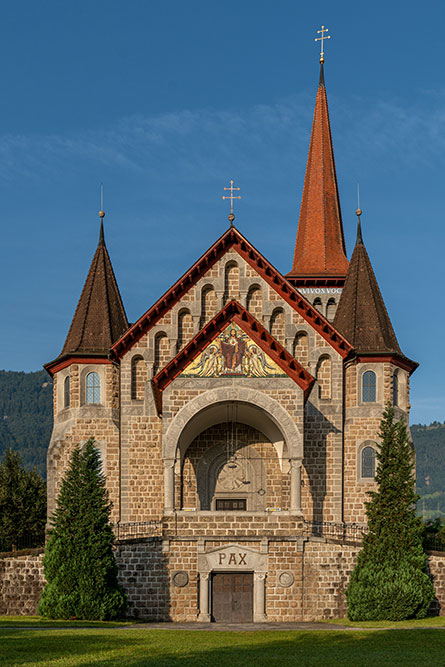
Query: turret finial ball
x,y
358,211
101,214
231,217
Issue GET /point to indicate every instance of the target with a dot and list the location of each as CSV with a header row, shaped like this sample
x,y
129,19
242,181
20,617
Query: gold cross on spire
x,y
321,39
231,197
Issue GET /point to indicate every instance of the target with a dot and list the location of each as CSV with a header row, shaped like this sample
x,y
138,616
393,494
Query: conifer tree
x,y
22,504
390,580
79,563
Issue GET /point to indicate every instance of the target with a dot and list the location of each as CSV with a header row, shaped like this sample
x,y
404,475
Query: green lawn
x,y
30,621
430,622
185,648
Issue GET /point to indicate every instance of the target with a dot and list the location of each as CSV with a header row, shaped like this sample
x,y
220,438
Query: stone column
x,y
259,585
204,615
295,485
169,485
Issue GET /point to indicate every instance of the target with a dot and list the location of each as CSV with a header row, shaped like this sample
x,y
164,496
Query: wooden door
x,y
232,597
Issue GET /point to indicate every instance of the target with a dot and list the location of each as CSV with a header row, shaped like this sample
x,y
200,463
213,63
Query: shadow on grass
x,y
199,649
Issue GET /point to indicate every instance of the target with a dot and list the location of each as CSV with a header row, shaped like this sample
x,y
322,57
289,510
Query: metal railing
x,y
135,529
351,532
22,542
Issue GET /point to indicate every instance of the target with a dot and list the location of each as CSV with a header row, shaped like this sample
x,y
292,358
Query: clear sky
x,y
165,102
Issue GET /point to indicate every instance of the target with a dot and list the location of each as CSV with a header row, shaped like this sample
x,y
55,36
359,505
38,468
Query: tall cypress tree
x,y
79,563
390,580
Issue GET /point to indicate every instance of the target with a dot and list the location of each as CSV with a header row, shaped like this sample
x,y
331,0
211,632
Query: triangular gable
x,y
232,239
234,313
232,353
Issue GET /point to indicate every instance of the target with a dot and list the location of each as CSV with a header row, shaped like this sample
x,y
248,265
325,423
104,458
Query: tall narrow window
x,y
278,325
66,392
368,462
317,303
330,309
93,388
395,388
369,387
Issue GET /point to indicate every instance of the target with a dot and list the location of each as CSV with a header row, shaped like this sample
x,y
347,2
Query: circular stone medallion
x,y
286,579
180,579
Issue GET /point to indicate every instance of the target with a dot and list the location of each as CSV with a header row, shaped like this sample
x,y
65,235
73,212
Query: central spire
x,y
320,253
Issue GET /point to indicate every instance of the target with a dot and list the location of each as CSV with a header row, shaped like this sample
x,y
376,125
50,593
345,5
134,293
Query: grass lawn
x,y
430,622
30,621
185,648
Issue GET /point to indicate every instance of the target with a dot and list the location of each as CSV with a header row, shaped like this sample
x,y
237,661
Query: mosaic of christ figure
x,y
233,349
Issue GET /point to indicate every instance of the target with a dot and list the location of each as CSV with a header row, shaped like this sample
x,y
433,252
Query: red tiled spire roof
x,y
361,314
320,246
100,317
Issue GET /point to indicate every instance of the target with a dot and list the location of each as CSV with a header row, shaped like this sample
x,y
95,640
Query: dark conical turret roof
x,y
361,315
100,317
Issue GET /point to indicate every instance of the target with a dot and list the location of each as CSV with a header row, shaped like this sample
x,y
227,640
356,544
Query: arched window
x,y
330,309
317,303
323,374
395,388
209,304
231,282
138,378
93,388
162,351
301,348
368,462
369,387
255,302
278,325
185,328
66,392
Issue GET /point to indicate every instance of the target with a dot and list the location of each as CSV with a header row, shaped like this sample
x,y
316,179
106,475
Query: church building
x,y
238,417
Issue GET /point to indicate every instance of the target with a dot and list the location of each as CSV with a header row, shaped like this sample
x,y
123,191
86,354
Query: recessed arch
x,y
254,408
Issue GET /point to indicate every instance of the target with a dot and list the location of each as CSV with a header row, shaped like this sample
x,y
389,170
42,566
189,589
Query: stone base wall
x,y
319,572
21,584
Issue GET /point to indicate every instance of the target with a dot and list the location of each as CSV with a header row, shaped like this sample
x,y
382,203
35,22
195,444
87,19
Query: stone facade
x,y
21,583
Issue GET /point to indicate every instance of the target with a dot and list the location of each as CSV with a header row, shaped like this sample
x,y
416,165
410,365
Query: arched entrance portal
x,y
232,445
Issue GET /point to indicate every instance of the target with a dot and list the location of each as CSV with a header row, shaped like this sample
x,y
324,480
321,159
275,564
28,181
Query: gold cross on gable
x,y
231,197
321,39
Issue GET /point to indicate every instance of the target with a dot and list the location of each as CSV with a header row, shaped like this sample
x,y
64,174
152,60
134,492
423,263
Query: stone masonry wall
x,y
321,573
21,584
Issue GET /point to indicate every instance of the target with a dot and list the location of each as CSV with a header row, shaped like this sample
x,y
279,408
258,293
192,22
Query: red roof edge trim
x,y
233,238
55,366
233,311
402,362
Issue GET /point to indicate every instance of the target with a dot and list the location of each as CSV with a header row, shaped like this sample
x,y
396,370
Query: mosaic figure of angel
x,y
258,366
210,363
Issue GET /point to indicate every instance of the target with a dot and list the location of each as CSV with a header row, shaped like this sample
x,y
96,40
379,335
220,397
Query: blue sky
x,y
165,102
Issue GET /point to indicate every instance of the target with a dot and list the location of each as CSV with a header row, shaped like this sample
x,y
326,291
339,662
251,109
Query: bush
x,y
79,563
390,581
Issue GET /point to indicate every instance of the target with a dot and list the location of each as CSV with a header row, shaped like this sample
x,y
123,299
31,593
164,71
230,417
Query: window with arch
x,y
395,388
255,302
209,304
324,377
317,303
93,388
162,351
330,309
138,378
66,392
367,462
231,281
301,348
369,387
185,328
278,325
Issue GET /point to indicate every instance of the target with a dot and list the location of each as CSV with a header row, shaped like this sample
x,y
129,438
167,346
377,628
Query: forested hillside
x,y
26,422
429,442
26,416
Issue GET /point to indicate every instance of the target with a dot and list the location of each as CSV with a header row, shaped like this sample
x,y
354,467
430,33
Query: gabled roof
x,y
320,246
361,314
100,316
233,312
231,239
